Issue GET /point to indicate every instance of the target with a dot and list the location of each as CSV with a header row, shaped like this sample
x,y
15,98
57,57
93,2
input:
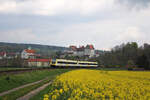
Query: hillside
x,y
42,49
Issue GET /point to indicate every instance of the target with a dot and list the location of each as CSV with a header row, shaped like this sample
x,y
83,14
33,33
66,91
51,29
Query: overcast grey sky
x,y
103,23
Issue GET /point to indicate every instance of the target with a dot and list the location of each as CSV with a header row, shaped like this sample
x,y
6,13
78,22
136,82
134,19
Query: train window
x,y
66,62
72,63
60,62
93,64
83,63
87,64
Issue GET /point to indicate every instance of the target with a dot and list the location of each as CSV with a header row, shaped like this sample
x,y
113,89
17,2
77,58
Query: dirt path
x,y
23,86
34,92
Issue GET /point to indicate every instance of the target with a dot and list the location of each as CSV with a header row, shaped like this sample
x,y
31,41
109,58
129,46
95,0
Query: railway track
x,y
16,71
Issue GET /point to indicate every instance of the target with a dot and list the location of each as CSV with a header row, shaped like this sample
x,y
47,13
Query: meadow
x,y
86,84
10,81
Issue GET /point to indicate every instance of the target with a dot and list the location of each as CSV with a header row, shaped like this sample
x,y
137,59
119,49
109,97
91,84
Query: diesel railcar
x,y
72,63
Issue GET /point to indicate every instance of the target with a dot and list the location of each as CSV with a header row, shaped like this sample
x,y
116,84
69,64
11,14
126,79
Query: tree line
x,y
128,55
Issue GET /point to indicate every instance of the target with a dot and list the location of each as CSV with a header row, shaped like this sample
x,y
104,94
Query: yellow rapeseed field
x,y
87,84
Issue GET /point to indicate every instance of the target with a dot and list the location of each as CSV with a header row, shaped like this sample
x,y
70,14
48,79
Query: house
x,y
38,62
80,51
2,55
28,53
72,51
88,51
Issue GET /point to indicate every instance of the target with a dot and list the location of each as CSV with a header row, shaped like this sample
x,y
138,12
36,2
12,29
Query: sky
x,y
103,23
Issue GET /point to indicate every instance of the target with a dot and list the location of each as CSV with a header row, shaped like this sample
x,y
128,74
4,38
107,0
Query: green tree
x,y
143,62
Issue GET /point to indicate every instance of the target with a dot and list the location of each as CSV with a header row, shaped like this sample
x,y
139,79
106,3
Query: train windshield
x,y
53,61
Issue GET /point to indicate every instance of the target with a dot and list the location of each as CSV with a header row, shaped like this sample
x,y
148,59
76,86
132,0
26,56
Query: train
x,y
72,63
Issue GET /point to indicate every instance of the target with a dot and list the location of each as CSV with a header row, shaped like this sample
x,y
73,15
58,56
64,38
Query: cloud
x,y
99,33
130,34
54,7
138,4
107,33
103,33
62,7
103,23
20,35
28,35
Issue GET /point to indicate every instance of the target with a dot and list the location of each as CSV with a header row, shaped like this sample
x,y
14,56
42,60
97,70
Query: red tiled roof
x,y
81,47
90,46
30,51
73,47
39,60
2,53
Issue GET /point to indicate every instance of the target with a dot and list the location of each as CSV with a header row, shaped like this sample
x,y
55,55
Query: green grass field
x,y
40,95
8,68
16,94
8,82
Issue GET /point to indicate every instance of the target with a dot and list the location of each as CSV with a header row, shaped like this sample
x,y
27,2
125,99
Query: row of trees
x,y
14,62
128,55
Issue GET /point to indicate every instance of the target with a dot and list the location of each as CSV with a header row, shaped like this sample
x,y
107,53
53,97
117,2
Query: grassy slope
x,y
11,81
23,91
40,95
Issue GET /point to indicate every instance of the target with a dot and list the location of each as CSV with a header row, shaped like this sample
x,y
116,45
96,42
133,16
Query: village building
x,y
72,51
9,55
2,55
80,51
87,51
28,53
38,62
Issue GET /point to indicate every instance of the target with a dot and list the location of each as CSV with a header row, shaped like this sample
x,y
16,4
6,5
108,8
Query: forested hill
x,y
18,47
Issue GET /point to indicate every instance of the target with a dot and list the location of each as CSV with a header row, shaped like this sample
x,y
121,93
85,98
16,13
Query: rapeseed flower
x,y
87,84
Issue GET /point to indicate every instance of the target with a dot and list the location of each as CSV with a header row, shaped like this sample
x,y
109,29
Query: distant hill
x,y
41,49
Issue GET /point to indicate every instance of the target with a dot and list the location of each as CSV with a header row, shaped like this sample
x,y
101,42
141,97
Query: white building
x,y
80,51
89,51
38,62
83,51
28,53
